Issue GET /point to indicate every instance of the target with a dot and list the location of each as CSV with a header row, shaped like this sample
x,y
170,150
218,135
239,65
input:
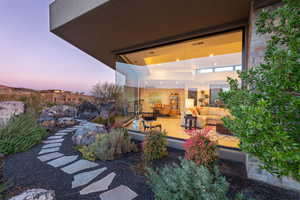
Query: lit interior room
x,y
176,87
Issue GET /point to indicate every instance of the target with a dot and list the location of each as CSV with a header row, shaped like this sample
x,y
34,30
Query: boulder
x,y
86,134
65,122
59,116
35,194
59,111
9,109
87,111
48,123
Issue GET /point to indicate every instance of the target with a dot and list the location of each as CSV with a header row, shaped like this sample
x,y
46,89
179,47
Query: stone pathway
x,y
82,181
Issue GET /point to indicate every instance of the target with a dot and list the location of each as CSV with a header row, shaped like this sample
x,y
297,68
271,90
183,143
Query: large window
x,y
165,86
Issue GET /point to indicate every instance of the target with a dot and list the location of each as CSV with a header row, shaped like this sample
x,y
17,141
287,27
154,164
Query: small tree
x,y
106,92
109,99
266,110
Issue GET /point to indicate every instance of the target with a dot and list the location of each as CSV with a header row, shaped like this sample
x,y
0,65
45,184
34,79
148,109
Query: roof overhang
x,y
104,28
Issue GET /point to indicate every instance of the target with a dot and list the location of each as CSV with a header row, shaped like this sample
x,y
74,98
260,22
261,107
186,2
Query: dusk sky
x,y
32,57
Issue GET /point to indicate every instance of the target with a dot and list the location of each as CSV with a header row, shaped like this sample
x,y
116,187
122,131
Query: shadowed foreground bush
x,y
20,134
188,181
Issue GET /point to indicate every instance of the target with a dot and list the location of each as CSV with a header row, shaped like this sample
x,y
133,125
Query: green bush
x,y
187,181
155,145
109,146
86,153
265,110
20,134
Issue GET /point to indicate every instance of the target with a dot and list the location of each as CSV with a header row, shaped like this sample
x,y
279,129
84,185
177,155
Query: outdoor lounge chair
x,y
150,127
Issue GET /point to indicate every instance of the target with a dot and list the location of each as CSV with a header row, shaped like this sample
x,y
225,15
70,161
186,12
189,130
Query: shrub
x,y
265,110
155,145
100,120
200,148
108,123
109,146
187,181
20,134
86,153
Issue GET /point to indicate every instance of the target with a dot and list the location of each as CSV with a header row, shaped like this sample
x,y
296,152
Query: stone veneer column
x,y
256,49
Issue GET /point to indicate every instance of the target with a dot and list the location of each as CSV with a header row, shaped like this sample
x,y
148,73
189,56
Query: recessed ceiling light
x,y
211,55
177,60
215,64
197,43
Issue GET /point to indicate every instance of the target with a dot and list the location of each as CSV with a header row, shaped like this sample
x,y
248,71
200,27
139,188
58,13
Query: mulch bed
x,y
27,171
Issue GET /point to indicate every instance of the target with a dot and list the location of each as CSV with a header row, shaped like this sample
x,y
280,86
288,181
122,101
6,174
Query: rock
x,y
35,194
86,135
50,123
59,116
87,111
9,109
47,122
65,122
59,111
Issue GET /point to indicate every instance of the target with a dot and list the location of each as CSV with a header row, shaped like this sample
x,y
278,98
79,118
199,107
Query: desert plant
x,y
4,187
265,110
33,103
107,122
109,146
4,184
200,148
20,134
187,180
154,145
86,153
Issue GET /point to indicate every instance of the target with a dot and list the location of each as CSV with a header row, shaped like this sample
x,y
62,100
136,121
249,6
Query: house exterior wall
x,y
65,97
257,47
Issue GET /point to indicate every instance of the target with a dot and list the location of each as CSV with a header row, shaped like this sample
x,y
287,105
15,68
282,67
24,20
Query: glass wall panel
x,y
176,87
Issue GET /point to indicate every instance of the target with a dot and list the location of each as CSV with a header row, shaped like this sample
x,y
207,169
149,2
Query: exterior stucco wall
x,y
256,54
63,11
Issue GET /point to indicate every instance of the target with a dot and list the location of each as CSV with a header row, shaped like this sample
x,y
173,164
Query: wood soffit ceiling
x,y
121,24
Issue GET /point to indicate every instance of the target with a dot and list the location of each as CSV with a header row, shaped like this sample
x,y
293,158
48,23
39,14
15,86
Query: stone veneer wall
x,y
257,46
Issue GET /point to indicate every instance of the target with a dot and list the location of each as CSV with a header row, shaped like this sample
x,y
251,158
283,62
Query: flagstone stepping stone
x,y
49,150
50,156
119,193
54,137
66,131
79,166
86,177
53,141
51,145
62,161
61,134
99,186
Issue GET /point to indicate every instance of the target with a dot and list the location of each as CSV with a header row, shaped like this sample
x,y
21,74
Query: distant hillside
x,y
3,86
18,89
